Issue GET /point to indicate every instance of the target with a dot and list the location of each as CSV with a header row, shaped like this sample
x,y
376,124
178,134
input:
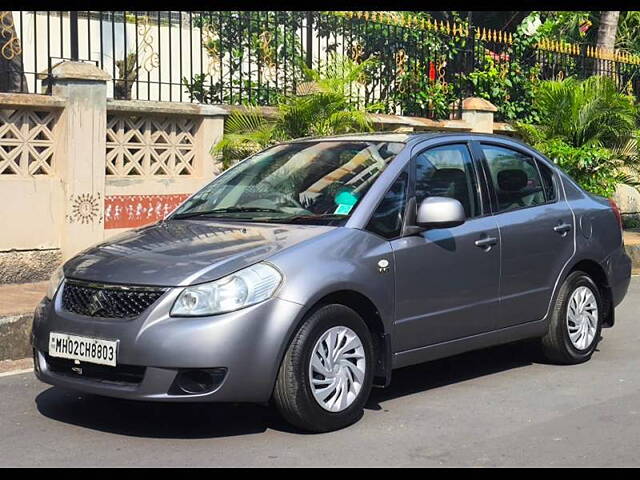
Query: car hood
x,y
184,252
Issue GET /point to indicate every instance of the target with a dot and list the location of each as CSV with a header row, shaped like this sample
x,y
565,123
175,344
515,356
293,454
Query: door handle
x,y
562,229
486,243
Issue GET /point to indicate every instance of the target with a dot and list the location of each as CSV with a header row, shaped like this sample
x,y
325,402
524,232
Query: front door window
x,y
447,171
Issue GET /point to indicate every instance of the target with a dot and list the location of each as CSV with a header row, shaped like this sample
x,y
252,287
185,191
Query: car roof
x,y
350,137
411,137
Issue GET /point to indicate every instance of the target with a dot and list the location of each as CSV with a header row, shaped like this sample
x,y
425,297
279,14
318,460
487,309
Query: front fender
x,y
343,260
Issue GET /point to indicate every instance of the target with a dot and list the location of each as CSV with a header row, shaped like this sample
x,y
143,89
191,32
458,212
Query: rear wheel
x,y
326,375
576,321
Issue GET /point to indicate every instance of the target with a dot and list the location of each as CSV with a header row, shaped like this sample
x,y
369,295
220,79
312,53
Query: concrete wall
x,y
38,200
76,168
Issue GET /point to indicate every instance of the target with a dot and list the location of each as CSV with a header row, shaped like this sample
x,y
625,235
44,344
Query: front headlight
x,y
54,282
247,287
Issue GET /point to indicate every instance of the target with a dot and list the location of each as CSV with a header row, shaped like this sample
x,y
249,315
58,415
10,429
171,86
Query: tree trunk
x,y
608,29
606,39
127,74
11,70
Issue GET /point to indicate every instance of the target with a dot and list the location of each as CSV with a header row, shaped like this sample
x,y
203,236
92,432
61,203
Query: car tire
x,y
557,345
294,394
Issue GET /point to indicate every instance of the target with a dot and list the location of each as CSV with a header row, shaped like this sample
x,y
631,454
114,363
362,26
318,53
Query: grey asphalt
x,y
495,407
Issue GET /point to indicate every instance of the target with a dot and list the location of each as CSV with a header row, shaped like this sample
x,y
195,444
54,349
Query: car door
x,y
446,278
536,230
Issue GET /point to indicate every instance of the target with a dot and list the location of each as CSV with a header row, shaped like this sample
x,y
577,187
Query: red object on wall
x,y
125,211
432,72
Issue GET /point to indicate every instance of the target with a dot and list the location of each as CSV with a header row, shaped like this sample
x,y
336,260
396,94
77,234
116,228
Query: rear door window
x,y
547,182
515,177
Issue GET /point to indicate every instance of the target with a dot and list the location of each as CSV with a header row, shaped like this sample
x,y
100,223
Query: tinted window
x,y
447,172
515,178
387,219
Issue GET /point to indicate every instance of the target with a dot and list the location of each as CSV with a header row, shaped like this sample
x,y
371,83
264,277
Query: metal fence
x,y
415,66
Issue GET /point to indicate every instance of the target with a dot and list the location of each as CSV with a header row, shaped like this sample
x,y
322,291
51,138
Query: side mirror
x,y
440,212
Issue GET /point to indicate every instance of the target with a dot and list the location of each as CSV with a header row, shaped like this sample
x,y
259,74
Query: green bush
x,y
582,112
596,169
588,128
630,222
507,76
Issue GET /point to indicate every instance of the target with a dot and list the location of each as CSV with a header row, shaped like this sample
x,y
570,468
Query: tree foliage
x,y
581,27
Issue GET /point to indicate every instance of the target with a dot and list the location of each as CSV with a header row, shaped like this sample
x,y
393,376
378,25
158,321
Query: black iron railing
x,y
413,66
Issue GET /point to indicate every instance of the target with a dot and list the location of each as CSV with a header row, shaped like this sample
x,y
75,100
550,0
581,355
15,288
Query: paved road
x,y
488,408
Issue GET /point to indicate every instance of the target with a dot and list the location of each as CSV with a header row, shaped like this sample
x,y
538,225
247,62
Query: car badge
x,y
383,265
95,305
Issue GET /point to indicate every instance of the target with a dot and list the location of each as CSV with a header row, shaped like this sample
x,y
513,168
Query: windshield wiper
x,y
311,217
225,210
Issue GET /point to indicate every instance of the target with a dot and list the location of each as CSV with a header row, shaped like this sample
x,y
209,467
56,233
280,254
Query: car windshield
x,y
317,182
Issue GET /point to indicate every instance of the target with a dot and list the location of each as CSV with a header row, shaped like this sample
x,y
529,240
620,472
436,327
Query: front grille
x,y
121,374
107,301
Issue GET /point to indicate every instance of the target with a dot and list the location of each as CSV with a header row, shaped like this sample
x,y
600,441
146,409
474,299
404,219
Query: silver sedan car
x,y
307,273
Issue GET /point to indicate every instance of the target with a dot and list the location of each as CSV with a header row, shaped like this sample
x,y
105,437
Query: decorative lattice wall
x,y
149,146
27,142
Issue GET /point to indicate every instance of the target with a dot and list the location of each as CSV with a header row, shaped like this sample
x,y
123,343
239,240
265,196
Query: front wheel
x,y
326,375
576,321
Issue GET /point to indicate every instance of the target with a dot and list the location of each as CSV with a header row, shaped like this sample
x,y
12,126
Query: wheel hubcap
x,y
582,317
337,369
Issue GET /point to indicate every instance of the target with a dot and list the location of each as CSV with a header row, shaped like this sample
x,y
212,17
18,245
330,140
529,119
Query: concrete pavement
x,y
495,407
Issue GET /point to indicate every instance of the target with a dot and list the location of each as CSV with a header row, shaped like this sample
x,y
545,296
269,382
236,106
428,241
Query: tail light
x,y
616,211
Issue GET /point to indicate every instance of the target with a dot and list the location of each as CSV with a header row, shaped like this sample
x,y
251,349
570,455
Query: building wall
x,y
30,184
151,157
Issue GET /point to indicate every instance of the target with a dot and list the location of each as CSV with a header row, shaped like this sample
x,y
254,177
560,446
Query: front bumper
x,y
248,344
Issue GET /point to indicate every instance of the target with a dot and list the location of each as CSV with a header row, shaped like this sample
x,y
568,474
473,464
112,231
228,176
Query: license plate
x,y
92,350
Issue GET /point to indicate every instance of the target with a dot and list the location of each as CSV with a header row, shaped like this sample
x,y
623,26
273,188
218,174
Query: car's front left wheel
x,y
326,375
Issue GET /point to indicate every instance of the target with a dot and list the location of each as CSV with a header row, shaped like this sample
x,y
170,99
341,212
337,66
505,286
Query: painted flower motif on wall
x,y
85,208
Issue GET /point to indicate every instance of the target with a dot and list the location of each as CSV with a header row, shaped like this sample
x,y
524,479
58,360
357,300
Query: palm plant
x,y
329,110
245,132
627,38
586,112
589,128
